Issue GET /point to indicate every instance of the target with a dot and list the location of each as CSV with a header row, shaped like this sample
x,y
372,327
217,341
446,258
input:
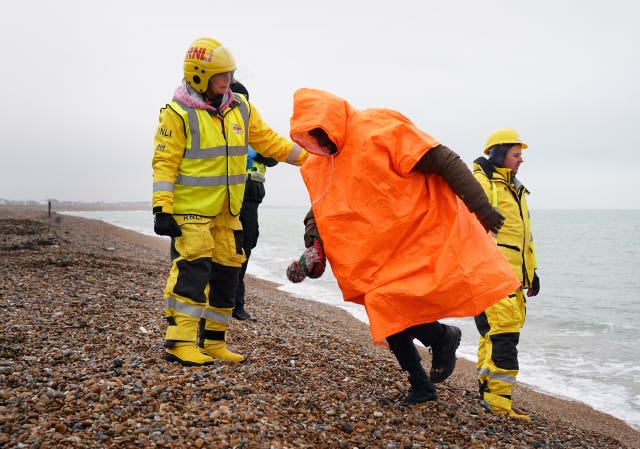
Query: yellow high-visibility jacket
x,y
515,238
200,156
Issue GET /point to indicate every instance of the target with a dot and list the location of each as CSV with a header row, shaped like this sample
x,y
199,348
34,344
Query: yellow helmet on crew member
x,y
501,136
206,57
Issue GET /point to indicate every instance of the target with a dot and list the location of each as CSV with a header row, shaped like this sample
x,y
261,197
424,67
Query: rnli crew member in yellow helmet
x,y
500,324
199,172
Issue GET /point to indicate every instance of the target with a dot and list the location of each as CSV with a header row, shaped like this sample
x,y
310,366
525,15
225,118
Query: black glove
x,y
165,224
268,161
492,220
535,285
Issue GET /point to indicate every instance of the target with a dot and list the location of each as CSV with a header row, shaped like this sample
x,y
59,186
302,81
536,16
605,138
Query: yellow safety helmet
x,y
206,57
503,135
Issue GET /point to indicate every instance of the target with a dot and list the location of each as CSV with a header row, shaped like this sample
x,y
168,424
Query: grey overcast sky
x,y
83,82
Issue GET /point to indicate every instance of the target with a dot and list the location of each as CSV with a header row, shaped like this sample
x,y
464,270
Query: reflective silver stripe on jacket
x,y
210,181
195,311
209,153
163,186
294,154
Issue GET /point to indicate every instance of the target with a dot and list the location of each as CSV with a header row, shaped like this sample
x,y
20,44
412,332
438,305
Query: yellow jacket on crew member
x,y
195,168
515,238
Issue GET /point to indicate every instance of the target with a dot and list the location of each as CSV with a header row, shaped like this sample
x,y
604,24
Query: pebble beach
x,y
82,364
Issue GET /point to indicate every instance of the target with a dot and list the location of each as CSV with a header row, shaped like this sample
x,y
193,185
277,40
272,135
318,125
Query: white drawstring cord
x,y
328,185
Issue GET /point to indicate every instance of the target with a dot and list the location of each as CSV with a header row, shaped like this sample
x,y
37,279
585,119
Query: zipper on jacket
x,y
221,115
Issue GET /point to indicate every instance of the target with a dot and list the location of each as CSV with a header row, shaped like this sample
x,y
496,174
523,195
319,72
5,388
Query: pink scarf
x,y
188,96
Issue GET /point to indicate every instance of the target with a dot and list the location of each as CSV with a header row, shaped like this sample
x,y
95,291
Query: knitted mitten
x,y
313,260
311,264
295,272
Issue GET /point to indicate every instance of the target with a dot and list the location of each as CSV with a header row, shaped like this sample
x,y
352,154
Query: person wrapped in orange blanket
x,y
404,226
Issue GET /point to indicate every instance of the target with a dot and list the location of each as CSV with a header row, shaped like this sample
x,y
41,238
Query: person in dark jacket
x,y
254,193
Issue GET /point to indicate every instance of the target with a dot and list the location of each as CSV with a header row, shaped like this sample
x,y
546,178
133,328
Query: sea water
x,y
581,336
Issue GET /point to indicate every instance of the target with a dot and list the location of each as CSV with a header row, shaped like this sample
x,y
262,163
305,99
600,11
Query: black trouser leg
x,y
240,290
428,334
402,346
250,233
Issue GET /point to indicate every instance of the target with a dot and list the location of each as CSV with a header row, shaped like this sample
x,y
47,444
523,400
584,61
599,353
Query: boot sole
x,y
174,359
513,413
245,318
410,402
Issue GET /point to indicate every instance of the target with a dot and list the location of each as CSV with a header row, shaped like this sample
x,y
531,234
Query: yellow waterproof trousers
x,y
205,262
497,365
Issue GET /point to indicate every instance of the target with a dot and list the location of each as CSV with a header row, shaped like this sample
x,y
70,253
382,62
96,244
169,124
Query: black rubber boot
x,y
443,361
243,315
421,391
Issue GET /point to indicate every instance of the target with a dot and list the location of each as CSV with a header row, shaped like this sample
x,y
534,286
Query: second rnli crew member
x,y
500,324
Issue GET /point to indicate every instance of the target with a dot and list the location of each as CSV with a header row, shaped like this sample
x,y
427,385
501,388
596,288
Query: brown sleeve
x,y
446,163
310,229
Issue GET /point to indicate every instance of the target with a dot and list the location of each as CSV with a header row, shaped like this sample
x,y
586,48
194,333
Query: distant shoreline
x,y
60,206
